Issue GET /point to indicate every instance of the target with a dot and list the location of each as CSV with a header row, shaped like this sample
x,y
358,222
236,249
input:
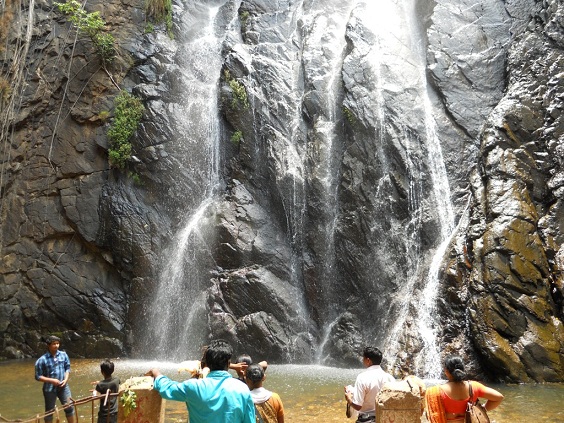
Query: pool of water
x,y
309,393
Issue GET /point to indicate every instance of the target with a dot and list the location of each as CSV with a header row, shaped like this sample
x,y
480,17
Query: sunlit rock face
x,y
307,160
513,246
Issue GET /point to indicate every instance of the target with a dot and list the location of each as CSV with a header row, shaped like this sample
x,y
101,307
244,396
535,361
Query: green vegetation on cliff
x,y
239,92
236,137
128,113
159,11
92,25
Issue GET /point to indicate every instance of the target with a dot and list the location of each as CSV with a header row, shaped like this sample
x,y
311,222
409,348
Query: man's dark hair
x,y
245,358
255,373
374,354
52,338
218,354
107,367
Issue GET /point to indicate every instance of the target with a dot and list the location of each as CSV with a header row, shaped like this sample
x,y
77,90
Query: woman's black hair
x,y
254,373
455,366
245,358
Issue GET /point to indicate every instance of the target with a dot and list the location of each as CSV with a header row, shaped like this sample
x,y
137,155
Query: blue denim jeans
x,y
63,394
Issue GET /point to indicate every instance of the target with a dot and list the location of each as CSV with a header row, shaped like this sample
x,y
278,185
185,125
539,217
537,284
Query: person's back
x,y
448,402
368,383
268,404
111,383
218,398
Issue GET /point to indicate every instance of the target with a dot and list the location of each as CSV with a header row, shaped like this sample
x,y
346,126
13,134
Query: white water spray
x,y
428,359
406,60
180,299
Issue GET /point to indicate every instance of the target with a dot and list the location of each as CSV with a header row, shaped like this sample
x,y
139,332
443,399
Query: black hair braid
x,y
455,366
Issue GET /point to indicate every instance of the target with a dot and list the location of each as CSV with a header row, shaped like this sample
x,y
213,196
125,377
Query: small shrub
x,y
104,44
149,28
128,112
238,90
243,17
160,11
103,115
92,25
129,401
135,178
349,115
236,137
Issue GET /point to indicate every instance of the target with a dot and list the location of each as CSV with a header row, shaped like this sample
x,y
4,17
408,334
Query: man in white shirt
x,y
368,383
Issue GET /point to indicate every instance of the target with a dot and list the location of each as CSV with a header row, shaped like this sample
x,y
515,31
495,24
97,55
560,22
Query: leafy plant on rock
x,y
128,401
160,11
236,137
92,25
128,112
349,115
244,17
238,90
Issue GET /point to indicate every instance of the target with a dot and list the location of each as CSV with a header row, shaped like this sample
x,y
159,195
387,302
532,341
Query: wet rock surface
x,y
326,211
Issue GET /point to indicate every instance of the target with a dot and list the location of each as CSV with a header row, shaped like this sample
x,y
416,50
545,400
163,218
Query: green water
x,y
309,393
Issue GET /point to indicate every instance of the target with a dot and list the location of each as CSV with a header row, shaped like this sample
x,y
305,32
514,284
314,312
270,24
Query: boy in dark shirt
x,y
112,383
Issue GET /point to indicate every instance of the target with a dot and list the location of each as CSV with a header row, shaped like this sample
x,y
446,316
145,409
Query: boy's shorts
x,y
104,419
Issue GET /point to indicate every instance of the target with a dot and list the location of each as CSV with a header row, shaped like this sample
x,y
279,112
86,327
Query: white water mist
x,y
179,303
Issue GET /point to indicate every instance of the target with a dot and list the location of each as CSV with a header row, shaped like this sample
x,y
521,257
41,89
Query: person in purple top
x,y
53,369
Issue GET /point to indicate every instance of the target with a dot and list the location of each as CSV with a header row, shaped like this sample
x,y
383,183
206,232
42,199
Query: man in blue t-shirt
x,y
218,398
53,369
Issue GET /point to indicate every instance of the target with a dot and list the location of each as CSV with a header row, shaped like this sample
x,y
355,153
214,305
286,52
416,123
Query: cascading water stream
x,y
391,61
395,72
324,39
428,360
179,303
409,62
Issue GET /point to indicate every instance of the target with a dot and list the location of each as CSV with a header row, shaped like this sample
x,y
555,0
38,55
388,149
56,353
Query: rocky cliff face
x,y
324,154
511,278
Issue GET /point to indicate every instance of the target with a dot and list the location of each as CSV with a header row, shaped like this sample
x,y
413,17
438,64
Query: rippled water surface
x,y
309,393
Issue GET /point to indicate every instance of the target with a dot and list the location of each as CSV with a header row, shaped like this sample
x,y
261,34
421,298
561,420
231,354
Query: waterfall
x,y
307,162
179,294
180,298
324,27
390,20
428,360
390,58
